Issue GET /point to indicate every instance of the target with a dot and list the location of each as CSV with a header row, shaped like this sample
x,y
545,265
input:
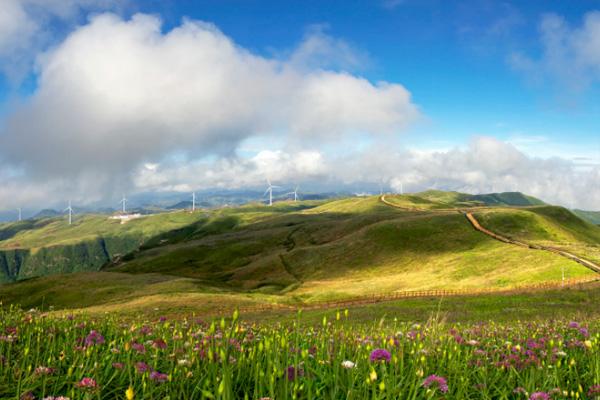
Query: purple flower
x,y
539,396
294,373
142,367
93,338
159,344
158,377
436,382
380,355
573,325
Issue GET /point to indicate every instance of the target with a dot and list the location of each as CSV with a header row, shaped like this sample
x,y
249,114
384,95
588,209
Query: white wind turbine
x,y
193,201
20,215
124,202
295,193
270,191
70,210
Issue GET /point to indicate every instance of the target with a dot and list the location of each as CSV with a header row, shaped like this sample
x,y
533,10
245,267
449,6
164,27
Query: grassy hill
x,y
306,251
548,226
593,217
52,246
437,200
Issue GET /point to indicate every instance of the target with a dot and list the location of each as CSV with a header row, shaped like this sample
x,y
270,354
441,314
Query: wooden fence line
x,y
372,299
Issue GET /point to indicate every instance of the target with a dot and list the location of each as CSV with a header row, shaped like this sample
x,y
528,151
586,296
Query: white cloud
x,y
109,106
25,28
570,55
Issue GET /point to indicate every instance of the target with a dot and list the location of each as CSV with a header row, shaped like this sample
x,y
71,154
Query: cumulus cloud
x,y
111,105
485,165
570,55
24,28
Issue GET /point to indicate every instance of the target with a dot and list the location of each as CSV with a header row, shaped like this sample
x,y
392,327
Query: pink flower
x,y
436,382
539,396
87,383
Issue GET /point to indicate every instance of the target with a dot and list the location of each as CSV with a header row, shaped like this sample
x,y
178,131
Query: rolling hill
x,y
292,252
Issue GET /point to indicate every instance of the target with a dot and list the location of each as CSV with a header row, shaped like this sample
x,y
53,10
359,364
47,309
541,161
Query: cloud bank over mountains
x,y
121,105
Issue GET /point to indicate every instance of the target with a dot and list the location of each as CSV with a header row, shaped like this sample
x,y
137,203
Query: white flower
x,y
348,364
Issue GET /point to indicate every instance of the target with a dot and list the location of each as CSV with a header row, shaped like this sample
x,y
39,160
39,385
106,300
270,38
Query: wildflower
x,y
118,365
294,373
588,344
56,398
158,377
159,344
380,355
27,396
87,383
348,364
129,394
41,370
573,325
594,391
434,381
539,396
519,390
183,362
142,367
373,375
138,347
93,338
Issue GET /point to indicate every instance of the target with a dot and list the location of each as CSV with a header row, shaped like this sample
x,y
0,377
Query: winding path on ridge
x,y
394,296
477,226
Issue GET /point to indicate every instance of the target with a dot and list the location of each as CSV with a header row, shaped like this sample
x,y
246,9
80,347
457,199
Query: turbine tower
x,y
295,193
70,210
270,191
124,202
193,201
20,215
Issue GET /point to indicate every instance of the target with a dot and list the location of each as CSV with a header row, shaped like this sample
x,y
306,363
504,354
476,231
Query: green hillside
x,y
548,226
52,246
291,252
593,217
437,200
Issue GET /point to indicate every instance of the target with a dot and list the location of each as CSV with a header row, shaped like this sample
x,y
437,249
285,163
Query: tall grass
x,y
81,357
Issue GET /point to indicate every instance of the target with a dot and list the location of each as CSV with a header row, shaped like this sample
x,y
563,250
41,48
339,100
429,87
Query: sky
x,y
104,97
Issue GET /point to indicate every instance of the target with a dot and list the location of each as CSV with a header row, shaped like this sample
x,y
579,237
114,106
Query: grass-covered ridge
x,y
293,253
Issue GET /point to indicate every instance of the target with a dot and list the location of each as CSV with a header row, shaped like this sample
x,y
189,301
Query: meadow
x,y
53,356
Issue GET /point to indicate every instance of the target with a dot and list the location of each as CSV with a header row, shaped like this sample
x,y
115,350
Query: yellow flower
x,y
129,395
588,344
373,375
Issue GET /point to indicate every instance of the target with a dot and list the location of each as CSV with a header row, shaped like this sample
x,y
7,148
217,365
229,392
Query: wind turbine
x,y
193,201
295,193
270,191
70,210
19,210
124,202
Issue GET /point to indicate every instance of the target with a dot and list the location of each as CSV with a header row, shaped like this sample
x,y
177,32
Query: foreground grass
x,y
79,357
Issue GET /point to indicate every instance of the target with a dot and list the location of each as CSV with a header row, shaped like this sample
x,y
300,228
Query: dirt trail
x,y
476,225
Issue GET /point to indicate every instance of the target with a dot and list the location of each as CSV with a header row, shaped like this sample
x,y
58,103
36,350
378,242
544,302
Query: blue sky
x,y
452,56
98,97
